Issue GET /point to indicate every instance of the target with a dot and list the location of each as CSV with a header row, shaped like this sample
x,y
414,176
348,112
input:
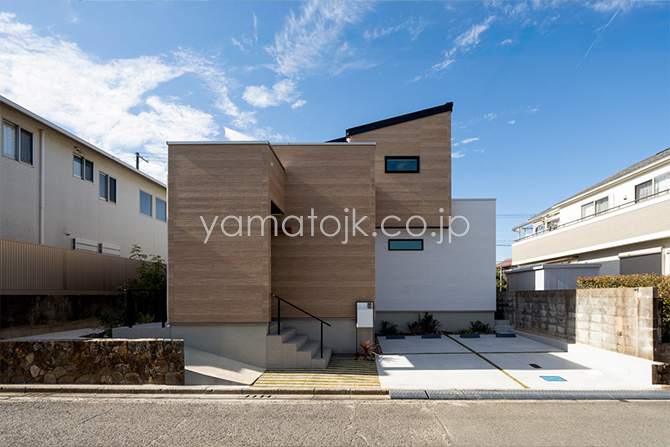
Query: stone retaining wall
x,y
97,361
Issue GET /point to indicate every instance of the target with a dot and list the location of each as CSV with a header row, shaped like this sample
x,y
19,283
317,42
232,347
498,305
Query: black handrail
x,y
279,300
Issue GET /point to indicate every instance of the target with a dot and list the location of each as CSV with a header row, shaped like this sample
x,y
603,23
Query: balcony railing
x,y
592,216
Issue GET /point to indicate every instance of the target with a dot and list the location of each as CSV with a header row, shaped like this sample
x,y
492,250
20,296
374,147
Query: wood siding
x,y
319,273
423,194
27,268
225,280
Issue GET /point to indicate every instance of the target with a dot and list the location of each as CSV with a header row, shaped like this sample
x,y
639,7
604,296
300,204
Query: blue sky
x,y
549,97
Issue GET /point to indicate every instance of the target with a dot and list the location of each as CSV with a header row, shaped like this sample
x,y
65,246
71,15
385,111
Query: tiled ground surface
x,y
343,371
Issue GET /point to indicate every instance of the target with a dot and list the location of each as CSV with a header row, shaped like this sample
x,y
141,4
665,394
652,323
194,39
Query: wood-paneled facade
x,y
229,279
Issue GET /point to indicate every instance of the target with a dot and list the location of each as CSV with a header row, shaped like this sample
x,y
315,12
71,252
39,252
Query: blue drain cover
x,y
553,378
395,337
469,335
431,336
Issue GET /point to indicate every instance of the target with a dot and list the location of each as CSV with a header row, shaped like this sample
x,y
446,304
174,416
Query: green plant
x,y
117,318
425,325
477,327
466,331
151,272
662,284
501,281
388,328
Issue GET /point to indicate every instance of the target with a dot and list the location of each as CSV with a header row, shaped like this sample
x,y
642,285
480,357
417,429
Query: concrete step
x,y
504,329
305,354
286,333
204,368
501,323
322,363
289,350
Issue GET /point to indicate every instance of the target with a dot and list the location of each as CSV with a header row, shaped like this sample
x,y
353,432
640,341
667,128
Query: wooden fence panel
x,y
34,268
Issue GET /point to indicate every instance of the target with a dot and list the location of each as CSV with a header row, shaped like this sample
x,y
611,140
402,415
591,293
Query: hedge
x,y
662,284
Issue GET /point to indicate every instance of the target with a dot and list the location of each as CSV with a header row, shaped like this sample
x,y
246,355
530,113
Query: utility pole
x,y
138,157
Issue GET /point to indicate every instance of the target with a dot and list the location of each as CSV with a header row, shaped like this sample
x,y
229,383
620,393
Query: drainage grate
x,y
469,335
553,378
506,335
535,365
395,337
431,336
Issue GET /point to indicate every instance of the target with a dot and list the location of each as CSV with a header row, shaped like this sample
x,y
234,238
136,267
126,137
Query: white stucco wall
x,y
72,204
457,276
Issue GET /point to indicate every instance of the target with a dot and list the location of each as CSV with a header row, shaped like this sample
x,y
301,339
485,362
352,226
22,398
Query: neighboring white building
x,y
59,190
622,222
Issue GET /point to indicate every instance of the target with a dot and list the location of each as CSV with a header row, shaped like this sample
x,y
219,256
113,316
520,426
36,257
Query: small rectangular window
x,y
161,210
78,166
587,210
9,139
112,190
26,147
399,165
643,190
602,205
145,203
405,244
88,170
104,186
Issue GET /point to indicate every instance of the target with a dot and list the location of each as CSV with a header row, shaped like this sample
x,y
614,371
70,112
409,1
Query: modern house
x,y
620,225
345,231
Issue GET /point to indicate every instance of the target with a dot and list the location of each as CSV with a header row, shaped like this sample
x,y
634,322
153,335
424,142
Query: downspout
x,y
42,171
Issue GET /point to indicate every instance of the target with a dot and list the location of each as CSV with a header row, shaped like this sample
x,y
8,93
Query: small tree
x,y
501,281
151,273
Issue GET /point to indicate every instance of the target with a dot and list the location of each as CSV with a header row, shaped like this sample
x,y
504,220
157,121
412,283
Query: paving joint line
x,y
491,363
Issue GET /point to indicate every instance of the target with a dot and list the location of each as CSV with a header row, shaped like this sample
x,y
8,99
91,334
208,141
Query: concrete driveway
x,y
451,362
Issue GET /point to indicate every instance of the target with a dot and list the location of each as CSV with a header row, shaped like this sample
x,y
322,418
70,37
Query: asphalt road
x,y
29,420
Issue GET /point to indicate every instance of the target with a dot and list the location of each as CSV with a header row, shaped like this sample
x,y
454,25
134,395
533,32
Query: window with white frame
x,y
662,183
82,168
643,190
602,205
145,204
588,209
107,188
17,142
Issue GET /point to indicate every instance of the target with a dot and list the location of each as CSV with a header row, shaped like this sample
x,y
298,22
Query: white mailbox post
x,y
364,314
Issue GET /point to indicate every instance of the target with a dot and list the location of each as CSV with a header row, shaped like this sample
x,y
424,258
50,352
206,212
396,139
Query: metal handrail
x,y
592,216
279,300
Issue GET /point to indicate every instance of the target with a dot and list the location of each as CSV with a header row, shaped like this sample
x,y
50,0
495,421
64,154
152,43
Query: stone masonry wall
x,y
620,320
97,361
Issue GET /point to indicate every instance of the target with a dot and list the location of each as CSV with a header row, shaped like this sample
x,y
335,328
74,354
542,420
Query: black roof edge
x,y
448,107
338,140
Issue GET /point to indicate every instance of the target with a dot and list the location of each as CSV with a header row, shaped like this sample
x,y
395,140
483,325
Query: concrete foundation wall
x,y
244,342
451,321
626,321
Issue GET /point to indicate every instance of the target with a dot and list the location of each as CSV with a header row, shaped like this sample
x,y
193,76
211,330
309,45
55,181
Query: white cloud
x,y
479,151
109,103
298,103
469,140
261,96
238,44
458,154
464,42
234,135
533,110
511,121
506,42
491,116
413,26
310,41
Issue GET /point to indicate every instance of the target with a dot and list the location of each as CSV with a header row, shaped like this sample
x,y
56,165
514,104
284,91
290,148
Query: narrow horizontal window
x,y
399,165
145,203
405,244
161,210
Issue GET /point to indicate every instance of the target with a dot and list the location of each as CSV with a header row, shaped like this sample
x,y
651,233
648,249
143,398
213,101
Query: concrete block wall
x,y
626,321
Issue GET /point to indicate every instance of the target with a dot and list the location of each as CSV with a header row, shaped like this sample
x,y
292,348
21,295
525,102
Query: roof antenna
x,y
138,157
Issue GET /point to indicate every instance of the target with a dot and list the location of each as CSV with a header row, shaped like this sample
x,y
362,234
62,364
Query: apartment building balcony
x,y
643,220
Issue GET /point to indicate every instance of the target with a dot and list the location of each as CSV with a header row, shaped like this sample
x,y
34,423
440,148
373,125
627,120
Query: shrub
x,y
662,284
388,328
425,325
478,327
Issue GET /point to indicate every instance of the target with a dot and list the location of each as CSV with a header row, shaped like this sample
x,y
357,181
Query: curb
x,y
179,389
